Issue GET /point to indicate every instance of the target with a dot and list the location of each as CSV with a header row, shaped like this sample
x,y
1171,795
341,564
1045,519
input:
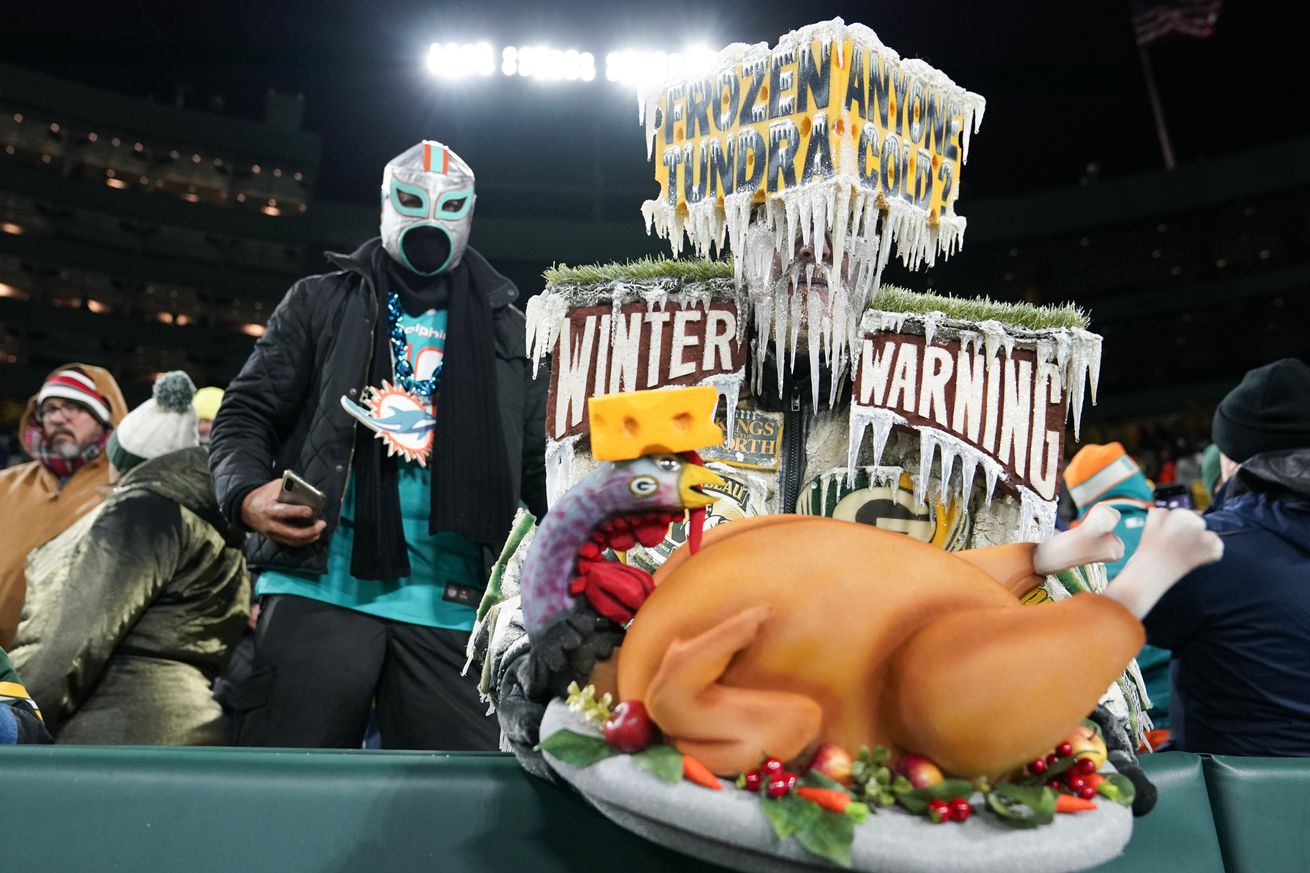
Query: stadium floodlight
x,y
647,68
548,64
453,60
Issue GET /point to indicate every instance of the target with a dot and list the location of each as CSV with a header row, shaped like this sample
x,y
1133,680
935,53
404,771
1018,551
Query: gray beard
x,y
68,450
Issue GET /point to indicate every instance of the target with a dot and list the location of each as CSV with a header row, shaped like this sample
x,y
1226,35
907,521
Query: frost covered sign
x,y
607,349
830,101
979,395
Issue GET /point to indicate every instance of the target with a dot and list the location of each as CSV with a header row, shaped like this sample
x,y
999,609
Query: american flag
x,y
1153,19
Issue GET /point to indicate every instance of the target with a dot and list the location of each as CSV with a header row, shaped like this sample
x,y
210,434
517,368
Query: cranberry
x,y
1051,759
1064,750
790,779
1087,792
1053,783
771,766
1075,782
753,780
1085,766
960,809
779,786
939,811
1037,767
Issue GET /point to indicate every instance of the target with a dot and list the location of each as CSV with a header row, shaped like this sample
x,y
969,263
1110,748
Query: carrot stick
x,y
828,798
1069,803
695,771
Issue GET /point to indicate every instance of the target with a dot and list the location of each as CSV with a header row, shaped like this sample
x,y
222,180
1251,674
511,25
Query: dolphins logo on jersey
x,y
403,422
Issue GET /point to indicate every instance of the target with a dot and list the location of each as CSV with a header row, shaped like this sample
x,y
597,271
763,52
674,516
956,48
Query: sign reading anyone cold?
x,y
835,104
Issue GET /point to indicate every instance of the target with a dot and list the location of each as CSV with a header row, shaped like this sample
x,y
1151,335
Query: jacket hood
x,y
1272,490
1285,473
104,382
498,288
182,477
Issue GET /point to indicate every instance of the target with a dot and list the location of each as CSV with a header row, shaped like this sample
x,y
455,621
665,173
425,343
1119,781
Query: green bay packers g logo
x,y
886,502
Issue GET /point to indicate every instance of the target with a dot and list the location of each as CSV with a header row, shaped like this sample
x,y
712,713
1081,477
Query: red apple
x,y
921,772
629,729
834,762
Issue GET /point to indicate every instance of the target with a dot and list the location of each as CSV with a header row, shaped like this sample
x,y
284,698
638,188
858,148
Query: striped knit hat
x,y
164,423
79,387
1096,470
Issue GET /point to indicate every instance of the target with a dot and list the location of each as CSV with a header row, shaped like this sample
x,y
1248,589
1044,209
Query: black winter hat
x,y
1267,411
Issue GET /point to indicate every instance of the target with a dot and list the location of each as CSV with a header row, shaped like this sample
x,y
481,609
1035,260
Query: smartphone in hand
x,y
1176,496
298,492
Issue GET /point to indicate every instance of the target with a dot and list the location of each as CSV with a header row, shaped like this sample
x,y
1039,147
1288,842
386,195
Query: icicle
x,y
881,420
1092,355
993,473
947,463
1036,516
931,321
855,436
559,466
993,333
814,336
728,386
968,467
927,448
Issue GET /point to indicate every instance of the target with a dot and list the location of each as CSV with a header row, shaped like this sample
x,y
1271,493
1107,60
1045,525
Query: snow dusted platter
x,y
727,827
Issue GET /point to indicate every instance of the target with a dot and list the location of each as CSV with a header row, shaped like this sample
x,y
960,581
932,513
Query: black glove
x,y
520,718
1124,758
565,652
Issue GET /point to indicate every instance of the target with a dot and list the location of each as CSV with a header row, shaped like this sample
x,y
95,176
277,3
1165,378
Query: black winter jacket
x,y
283,410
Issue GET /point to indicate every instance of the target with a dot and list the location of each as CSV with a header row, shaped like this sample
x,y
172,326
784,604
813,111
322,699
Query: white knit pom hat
x,y
164,423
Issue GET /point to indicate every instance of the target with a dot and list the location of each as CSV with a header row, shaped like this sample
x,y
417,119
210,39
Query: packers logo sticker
x,y
884,498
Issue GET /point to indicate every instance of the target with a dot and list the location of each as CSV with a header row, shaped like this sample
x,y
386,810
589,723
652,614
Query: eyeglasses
x,y
67,409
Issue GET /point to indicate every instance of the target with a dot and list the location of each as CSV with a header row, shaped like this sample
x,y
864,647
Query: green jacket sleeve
x,y
105,574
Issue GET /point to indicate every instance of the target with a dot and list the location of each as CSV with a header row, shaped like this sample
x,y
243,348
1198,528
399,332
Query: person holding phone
x,y
1239,629
397,386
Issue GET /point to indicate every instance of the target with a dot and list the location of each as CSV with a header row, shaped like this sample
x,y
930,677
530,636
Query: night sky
x,y
1063,80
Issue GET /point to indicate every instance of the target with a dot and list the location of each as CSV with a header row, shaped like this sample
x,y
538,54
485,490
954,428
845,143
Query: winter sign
x,y
607,350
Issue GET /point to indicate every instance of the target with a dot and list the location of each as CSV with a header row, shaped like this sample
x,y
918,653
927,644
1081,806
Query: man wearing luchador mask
x,y
397,388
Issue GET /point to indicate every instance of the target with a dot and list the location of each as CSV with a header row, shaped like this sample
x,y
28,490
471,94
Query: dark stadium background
x,y
1192,275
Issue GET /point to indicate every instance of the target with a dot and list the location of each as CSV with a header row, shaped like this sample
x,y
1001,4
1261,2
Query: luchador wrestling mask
x,y
427,208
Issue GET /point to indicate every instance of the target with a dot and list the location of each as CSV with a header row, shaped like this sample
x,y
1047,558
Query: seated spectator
x,y
207,401
1105,474
1239,629
64,429
20,720
131,613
